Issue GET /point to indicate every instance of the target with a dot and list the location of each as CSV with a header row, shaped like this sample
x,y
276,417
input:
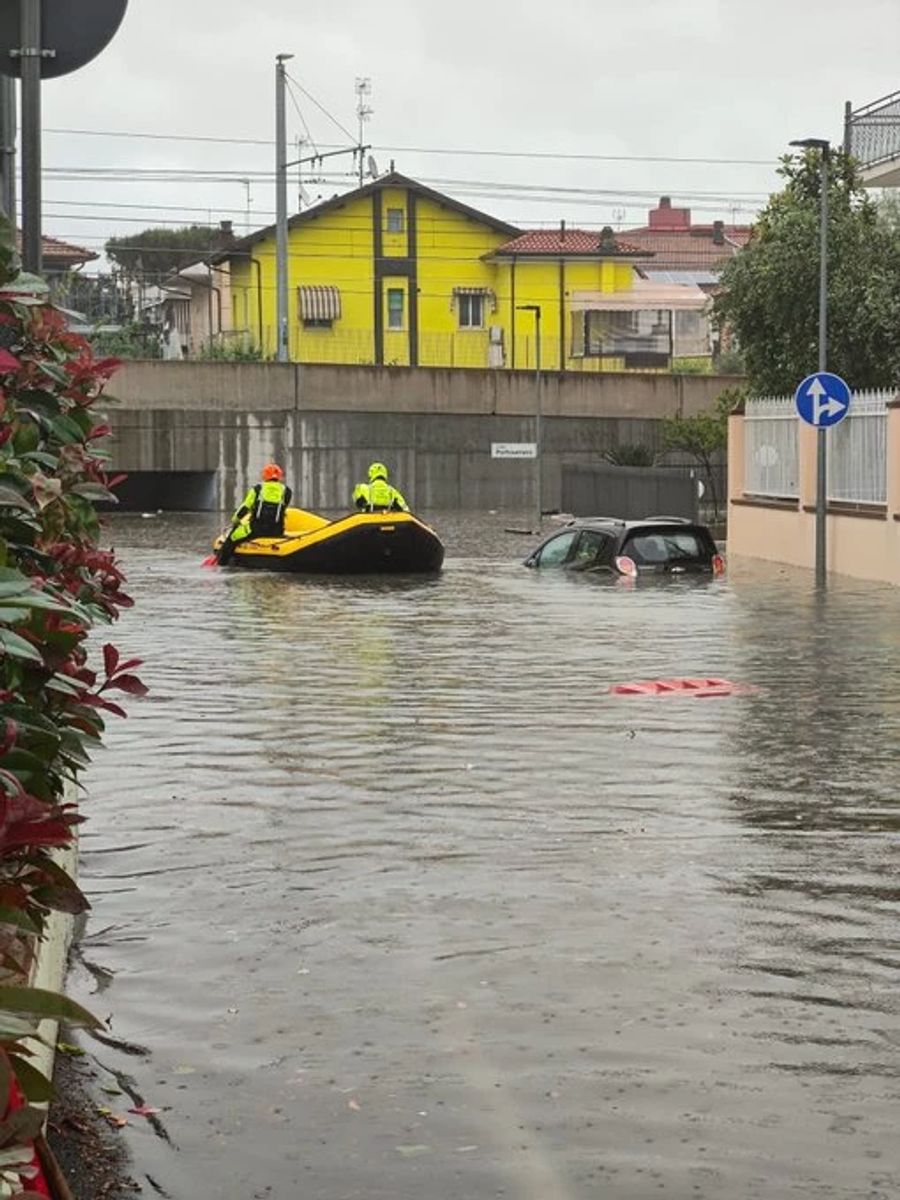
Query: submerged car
x,y
654,546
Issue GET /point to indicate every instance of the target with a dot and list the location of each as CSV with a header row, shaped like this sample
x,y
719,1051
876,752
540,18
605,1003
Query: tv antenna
x,y
364,111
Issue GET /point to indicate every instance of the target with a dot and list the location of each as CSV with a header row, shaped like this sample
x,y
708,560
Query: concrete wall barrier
x,y
260,387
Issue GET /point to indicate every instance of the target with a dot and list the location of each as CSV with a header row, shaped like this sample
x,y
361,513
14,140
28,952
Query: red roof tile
x,y
62,253
569,241
693,249
678,245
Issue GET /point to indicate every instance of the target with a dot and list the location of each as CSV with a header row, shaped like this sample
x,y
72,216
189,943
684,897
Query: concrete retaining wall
x,y
433,427
439,462
263,387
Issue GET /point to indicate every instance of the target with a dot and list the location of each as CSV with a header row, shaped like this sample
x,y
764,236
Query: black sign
x,y
75,30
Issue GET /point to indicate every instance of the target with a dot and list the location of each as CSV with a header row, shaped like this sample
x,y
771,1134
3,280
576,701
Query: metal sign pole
x,y
822,433
30,55
8,147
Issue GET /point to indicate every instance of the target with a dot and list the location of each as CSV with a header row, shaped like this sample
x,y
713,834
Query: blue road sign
x,y
822,399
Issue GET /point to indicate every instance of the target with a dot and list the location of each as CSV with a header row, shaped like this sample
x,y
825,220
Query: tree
x,y
703,436
156,253
770,290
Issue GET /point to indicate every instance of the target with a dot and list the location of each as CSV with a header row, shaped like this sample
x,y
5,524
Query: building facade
x,y
397,274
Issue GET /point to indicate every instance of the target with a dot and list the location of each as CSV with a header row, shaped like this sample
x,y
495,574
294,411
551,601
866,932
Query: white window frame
x,y
466,300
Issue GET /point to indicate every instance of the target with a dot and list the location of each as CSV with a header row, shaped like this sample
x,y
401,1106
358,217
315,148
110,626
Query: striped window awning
x,y
486,293
320,303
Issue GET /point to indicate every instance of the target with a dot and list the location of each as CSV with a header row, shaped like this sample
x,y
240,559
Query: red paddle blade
x,y
210,561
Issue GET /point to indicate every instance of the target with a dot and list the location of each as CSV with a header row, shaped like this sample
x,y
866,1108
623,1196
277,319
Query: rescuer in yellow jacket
x,y
377,495
260,513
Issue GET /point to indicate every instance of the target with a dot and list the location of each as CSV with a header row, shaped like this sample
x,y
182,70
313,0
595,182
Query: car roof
x,y
617,523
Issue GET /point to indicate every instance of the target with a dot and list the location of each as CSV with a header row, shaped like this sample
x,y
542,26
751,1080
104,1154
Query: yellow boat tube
x,y
363,543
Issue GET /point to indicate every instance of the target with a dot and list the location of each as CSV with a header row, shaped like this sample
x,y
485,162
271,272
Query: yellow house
x,y
395,273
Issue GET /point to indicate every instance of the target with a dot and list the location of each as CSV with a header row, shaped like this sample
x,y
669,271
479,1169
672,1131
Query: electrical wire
x,y
561,156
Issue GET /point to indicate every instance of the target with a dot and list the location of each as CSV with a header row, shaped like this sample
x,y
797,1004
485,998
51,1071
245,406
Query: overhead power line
x,y
561,156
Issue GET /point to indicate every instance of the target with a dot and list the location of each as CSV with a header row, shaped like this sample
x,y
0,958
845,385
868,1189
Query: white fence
x,y
771,463
857,451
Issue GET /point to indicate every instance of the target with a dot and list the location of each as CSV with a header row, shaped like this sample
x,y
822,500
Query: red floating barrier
x,y
704,687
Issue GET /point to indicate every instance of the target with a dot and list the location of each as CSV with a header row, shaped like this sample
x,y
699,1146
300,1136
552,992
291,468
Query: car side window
x,y
557,549
590,549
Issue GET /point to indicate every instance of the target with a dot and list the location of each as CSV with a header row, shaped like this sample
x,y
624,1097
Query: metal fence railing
x,y
771,462
857,451
874,131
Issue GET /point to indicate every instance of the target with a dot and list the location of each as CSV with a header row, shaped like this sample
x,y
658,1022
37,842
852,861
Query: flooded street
x,y
403,905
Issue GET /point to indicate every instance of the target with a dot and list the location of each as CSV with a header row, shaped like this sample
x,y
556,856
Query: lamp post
x,y
824,148
282,341
538,476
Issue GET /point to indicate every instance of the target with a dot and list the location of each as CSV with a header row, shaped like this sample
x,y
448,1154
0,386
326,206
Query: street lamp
x,y
824,148
538,480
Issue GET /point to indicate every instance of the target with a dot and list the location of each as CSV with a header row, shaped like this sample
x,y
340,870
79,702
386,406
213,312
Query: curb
x,y
49,968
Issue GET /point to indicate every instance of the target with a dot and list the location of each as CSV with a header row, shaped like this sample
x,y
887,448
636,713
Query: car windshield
x,y
660,546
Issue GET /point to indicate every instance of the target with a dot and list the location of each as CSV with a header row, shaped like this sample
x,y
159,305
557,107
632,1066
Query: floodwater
x,y
402,905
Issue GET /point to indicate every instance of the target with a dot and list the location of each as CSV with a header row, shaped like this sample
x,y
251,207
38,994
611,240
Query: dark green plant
x,y
630,454
231,352
704,436
155,253
56,586
770,290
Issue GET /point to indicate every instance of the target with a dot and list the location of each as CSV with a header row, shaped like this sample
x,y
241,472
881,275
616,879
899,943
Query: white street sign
x,y
513,450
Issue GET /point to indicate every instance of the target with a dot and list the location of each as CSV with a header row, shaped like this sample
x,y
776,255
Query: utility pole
x,y
281,220
30,54
8,147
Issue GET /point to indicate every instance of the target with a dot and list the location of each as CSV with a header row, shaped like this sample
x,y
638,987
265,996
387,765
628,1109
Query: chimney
x,y
665,217
562,231
718,233
224,238
608,244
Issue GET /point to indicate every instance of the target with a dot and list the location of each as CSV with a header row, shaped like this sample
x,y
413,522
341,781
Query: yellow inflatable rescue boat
x,y
363,543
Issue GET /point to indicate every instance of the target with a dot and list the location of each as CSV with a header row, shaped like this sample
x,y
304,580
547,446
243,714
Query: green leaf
x,y
65,430
39,404
15,916
55,372
18,647
13,1029
93,491
10,498
43,459
37,1088
23,1125
39,1002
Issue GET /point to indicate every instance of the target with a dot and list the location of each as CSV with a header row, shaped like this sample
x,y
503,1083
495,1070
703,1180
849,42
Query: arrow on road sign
x,y
828,407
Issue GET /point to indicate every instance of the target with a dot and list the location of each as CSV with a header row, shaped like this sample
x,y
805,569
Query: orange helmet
x,y
272,471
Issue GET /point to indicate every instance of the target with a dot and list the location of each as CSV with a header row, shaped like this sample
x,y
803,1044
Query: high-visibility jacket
x,y
261,512
378,496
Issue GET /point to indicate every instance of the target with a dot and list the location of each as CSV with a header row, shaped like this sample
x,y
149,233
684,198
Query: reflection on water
x,y
404,904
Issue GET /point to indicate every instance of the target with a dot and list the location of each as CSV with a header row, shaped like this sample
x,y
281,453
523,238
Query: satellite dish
x,y
76,33
373,168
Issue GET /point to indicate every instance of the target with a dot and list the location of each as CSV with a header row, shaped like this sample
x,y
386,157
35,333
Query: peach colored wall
x,y
863,543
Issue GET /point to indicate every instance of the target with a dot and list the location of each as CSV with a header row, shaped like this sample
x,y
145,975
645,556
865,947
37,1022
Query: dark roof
x,y
694,249
583,243
678,245
64,254
392,179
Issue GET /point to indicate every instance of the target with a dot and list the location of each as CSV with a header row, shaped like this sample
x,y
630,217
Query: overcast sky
x,y
631,79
